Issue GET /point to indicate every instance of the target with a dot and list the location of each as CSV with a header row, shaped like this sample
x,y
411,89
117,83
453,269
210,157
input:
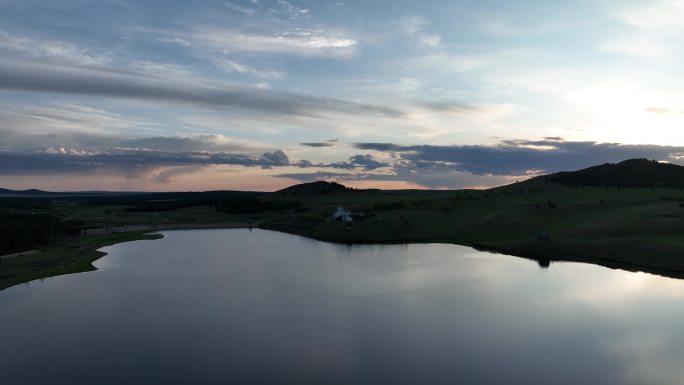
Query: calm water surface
x,y
260,307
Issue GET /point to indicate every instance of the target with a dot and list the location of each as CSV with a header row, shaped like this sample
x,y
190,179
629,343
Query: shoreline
x,y
78,256
542,257
545,261
81,254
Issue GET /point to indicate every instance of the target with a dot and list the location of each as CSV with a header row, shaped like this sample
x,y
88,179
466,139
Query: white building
x,y
342,214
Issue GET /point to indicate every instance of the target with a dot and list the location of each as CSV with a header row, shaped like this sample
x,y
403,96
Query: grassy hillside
x,y
619,227
630,173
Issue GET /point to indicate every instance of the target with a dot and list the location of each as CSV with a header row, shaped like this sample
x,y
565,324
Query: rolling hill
x,y
313,188
629,173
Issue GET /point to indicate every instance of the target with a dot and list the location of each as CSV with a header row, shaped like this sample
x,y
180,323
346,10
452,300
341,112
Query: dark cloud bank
x,y
438,166
125,161
518,157
327,143
427,165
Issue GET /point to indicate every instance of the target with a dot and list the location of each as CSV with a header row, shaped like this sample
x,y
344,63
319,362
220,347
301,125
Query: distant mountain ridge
x,y
43,193
628,173
22,192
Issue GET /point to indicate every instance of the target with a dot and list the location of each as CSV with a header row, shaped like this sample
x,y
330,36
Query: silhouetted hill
x,y
31,192
314,188
629,173
43,193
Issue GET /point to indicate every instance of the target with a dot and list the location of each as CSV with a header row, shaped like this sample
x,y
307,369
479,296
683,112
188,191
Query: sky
x,y
259,95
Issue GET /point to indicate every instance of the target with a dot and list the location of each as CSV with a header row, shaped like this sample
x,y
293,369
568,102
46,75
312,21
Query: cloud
x,y
520,157
29,76
327,143
383,147
87,153
175,40
49,49
437,166
62,117
383,87
60,160
365,162
296,42
233,66
13,140
136,157
216,143
432,166
166,175
275,158
291,11
451,107
412,27
241,9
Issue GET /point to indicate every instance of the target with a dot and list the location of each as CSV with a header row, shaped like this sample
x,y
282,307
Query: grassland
x,y
629,228
116,215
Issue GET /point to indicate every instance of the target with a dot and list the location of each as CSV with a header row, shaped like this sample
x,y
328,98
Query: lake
x,y
262,307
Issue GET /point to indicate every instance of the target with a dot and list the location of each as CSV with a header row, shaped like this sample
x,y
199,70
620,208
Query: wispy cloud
x,y
167,175
451,107
23,142
50,49
58,118
520,157
291,11
234,66
238,8
15,75
297,42
175,40
414,29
